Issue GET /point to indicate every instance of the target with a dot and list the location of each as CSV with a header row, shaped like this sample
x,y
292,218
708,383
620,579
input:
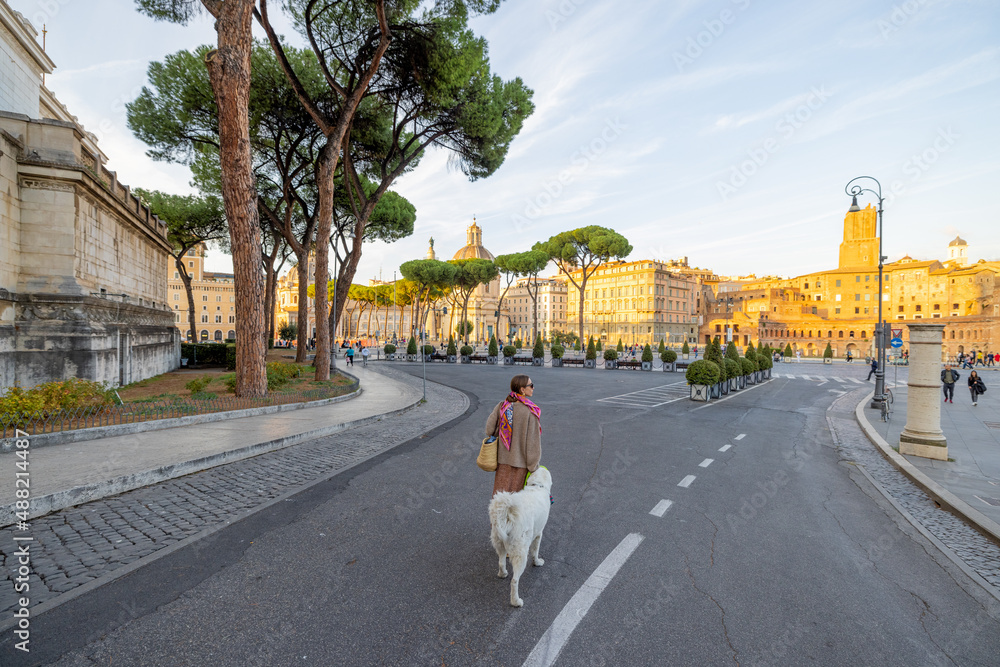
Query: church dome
x,y
474,248
958,241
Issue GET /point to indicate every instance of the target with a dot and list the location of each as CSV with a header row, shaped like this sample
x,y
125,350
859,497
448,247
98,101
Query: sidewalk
x,y
72,474
973,433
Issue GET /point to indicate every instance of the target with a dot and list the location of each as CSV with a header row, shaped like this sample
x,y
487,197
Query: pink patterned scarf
x,y
507,416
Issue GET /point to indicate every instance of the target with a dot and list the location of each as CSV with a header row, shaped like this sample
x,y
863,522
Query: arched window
x,y
204,334
829,334
810,333
840,334
953,334
864,334
218,335
231,335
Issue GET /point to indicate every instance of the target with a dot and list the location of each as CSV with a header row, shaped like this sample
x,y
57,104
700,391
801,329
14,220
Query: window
x,y
838,283
232,320
840,334
836,311
177,296
954,306
857,297
918,307
937,306
868,297
868,278
857,311
218,319
857,279
190,265
204,297
837,298
176,274
204,319
218,298
901,309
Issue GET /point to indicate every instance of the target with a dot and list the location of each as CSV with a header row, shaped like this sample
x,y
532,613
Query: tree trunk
x,y
324,184
229,73
302,316
186,279
465,318
583,286
271,287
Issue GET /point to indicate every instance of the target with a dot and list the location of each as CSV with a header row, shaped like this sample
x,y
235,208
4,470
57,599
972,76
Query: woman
x,y
518,424
976,387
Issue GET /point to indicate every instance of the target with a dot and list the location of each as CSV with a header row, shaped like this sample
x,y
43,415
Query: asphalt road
x,y
777,552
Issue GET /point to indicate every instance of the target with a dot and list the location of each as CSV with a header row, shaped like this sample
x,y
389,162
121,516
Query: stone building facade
x,y
82,261
840,306
645,301
552,297
214,297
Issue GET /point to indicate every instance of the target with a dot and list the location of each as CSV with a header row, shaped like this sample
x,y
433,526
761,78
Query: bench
x,y
437,356
682,365
522,360
572,362
480,358
631,365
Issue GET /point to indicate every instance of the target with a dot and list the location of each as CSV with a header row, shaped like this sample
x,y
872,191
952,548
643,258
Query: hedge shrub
x,y
702,372
591,350
389,348
610,355
647,353
452,349
466,350
411,346
733,368
558,351
539,350
668,356
748,365
493,346
509,350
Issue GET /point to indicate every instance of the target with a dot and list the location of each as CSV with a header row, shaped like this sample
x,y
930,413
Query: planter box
x,y
715,390
827,361
767,374
699,392
411,357
734,384
670,368
724,386
684,357
390,357
508,361
647,365
538,361
451,358
492,361
465,359
590,363
557,362
610,364
428,358
751,379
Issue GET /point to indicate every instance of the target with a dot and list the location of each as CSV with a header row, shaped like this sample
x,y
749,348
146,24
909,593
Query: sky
x,y
724,131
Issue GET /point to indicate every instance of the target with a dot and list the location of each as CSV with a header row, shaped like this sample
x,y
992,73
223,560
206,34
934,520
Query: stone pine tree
x,y
427,84
428,275
527,265
191,220
470,274
583,251
229,73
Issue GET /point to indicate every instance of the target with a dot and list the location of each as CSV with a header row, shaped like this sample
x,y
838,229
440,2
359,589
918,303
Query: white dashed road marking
x,y
706,463
740,436
661,507
686,482
724,448
650,398
548,647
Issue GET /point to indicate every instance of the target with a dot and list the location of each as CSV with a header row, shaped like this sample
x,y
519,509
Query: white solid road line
x,y
552,642
706,463
686,482
740,436
724,448
661,507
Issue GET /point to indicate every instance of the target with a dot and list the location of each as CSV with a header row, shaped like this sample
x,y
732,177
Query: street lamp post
x,y
853,190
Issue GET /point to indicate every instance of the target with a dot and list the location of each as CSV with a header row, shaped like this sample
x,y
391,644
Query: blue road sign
x,y
896,342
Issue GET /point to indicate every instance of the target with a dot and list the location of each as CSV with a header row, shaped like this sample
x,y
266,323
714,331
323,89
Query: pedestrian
x,y
996,357
976,387
364,356
695,351
517,422
350,356
849,357
873,370
949,377
798,356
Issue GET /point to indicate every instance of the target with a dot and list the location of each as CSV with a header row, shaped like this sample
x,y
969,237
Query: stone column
x,y
922,435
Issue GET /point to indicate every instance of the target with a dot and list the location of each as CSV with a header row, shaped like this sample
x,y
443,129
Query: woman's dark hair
x,y
519,382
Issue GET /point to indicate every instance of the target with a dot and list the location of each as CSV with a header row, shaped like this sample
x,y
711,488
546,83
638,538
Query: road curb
x,y
42,505
948,500
98,432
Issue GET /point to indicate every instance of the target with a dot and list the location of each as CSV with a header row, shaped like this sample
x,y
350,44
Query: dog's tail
x,y
503,514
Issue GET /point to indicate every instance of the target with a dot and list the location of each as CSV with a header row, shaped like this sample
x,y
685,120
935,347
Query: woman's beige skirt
x,y
509,478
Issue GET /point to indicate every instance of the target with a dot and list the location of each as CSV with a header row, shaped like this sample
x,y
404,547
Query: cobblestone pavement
x,y
79,544
979,553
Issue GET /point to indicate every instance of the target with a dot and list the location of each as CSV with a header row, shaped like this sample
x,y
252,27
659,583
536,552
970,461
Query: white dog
x,y
517,521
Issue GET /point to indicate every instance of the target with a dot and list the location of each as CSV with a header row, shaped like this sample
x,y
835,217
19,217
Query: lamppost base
x,y
876,403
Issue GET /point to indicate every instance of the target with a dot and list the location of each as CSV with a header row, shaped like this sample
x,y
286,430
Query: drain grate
x,y
995,425
995,502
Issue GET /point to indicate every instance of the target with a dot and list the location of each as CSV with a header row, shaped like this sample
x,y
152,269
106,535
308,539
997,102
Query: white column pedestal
x,y
922,435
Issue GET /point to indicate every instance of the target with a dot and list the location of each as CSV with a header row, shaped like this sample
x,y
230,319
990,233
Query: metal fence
x,y
141,411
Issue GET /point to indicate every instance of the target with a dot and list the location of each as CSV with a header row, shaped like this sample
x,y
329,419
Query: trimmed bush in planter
x,y
508,355
557,354
538,353
788,351
733,372
411,349
662,348
428,351
590,361
466,352
749,369
611,358
701,375
647,358
828,354
493,351
685,350
668,357
600,346
390,351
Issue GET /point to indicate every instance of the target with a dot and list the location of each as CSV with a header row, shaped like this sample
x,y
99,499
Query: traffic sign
x,y
896,342
897,333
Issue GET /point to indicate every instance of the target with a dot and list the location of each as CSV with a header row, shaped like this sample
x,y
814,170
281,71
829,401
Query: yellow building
x,y
214,297
552,297
645,301
840,306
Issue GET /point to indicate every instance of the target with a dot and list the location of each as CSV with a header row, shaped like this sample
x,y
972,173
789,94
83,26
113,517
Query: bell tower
x,y
860,246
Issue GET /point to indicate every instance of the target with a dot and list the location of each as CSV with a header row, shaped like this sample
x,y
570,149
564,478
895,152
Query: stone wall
x,y
82,289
